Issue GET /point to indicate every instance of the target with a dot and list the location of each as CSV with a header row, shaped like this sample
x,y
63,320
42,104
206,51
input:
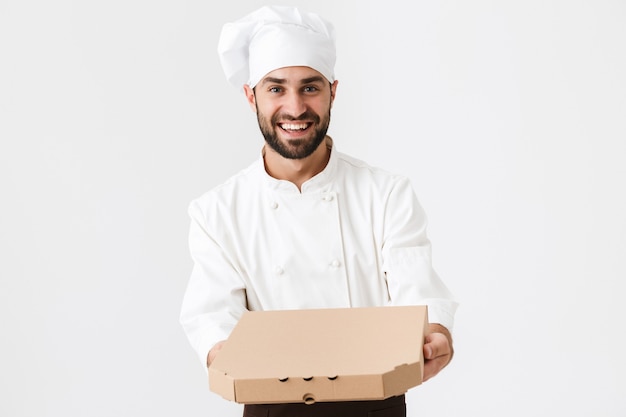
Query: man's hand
x,y
213,352
438,350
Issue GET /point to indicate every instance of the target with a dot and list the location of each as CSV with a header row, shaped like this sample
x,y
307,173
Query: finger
x,y
436,345
213,352
432,367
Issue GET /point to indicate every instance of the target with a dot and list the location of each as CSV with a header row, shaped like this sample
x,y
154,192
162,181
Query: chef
x,y
305,226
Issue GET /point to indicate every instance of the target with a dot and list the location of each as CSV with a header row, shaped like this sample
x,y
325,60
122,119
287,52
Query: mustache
x,y
307,115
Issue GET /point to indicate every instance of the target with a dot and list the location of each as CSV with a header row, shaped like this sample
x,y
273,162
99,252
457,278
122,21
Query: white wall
x,y
508,116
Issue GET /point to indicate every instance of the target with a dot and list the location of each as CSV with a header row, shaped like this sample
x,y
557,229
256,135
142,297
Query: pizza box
x,y
317,355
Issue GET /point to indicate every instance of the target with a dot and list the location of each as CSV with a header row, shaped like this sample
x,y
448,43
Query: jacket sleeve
x,y
215,297
411,279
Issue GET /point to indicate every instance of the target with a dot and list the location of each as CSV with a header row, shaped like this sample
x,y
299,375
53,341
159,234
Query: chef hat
x,y
275,37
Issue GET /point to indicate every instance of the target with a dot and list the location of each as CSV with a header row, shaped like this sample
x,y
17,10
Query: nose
x,y
294,104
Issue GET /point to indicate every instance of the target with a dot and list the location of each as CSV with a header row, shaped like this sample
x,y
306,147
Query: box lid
x,y
321,355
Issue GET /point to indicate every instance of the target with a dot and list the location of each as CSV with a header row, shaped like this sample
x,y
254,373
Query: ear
x,y
249,92
333,91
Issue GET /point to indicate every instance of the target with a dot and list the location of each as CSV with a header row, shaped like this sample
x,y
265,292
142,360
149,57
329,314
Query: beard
x,y
295,148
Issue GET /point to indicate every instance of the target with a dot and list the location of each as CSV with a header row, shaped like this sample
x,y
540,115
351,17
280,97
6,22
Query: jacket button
x,y
328,197
335,263
274,205
279,270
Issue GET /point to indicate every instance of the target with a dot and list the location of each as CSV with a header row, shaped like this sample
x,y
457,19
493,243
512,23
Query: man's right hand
x,y
213,352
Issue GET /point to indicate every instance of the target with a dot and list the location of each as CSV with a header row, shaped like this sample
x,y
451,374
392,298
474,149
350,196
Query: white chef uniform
x,y
354,236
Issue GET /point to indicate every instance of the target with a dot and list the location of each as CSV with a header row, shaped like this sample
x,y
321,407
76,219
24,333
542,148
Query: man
x,y
305,226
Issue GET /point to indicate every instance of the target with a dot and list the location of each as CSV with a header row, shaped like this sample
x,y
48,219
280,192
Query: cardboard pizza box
x,y
344,354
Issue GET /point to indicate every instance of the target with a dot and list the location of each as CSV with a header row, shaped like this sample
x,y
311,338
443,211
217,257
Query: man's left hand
x,y
438,350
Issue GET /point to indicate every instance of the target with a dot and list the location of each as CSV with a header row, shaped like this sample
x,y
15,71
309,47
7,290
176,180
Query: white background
x,y
509,117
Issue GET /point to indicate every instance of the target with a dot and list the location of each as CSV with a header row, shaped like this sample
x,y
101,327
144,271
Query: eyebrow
x,y
273,80
313,79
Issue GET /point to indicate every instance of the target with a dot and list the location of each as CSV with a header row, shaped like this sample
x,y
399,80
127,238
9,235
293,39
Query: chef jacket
x,y
353,236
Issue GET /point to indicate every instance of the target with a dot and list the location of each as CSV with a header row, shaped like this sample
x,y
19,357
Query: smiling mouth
x,y
294,127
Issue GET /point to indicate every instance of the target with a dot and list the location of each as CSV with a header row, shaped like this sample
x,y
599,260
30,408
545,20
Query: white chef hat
x,y
275,37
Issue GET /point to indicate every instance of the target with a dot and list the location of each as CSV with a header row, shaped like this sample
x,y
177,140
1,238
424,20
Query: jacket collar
x,y
319,183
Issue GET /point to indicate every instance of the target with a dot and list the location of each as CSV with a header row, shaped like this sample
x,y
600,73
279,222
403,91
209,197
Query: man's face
x,y
293,109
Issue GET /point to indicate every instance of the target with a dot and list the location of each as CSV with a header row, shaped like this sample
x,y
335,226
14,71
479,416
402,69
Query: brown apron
x,y
391,407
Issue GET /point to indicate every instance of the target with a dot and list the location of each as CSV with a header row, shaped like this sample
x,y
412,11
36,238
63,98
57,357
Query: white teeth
x,y
293,126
